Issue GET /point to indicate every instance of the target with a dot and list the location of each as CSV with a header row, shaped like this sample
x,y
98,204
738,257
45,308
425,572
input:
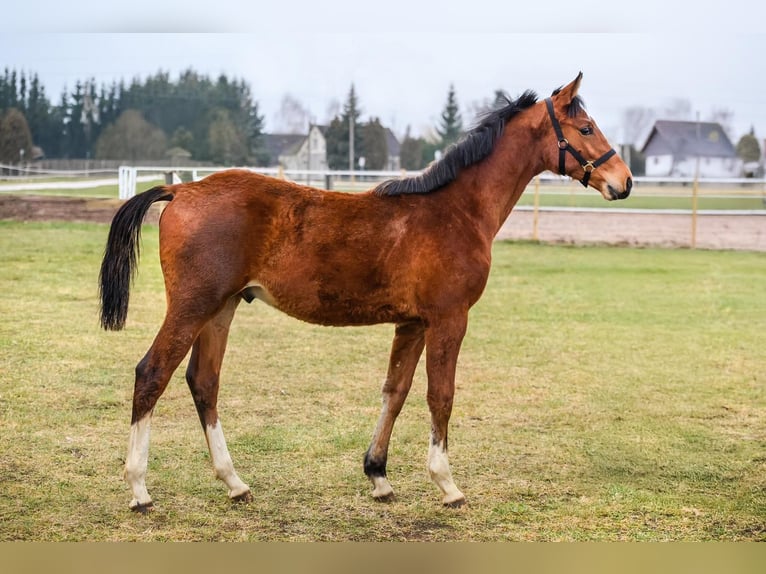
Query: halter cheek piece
x,y
565,146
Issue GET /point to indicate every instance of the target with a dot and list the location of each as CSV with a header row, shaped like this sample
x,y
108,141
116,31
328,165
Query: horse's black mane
x,y
473,147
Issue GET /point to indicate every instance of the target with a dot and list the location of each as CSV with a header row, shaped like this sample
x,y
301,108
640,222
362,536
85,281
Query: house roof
x,y
321,128
706,139
288,144
281,144
394,148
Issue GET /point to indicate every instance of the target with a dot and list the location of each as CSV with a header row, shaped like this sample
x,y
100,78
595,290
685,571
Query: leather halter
x,y
565,146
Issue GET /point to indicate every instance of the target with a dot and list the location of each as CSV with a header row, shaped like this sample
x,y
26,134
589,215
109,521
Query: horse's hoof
x,y
244,498
460,502
389,497
143,508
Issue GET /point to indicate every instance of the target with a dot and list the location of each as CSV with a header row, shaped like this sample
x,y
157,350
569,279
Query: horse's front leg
x,y
443,340
405,354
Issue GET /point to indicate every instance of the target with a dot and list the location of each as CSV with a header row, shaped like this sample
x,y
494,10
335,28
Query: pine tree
x,y
226,142
351,115
411,152
336,137
75,142
187,107
374,145
451,126
747,148
15,137
258,152
338,132
44,125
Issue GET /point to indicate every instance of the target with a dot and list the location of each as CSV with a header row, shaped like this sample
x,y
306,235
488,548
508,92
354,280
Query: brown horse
x,y
414,252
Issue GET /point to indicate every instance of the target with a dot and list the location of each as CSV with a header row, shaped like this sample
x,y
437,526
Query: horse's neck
x,y
499,180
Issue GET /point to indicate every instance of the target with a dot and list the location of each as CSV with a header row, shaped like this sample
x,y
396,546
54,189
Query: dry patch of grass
x,y
603,394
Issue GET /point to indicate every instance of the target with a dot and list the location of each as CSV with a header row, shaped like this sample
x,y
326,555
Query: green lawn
x,y
603,394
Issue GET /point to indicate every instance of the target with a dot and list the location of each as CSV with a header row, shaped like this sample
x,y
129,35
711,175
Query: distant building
x,y
672,149
394,162
298,151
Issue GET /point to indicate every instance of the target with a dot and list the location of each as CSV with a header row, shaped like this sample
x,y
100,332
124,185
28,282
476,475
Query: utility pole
x,y
351,143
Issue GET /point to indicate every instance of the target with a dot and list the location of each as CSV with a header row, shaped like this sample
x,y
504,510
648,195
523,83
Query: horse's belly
x,y
330,309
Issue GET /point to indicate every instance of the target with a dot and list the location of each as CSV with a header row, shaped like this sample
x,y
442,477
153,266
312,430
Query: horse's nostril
x,y
628,186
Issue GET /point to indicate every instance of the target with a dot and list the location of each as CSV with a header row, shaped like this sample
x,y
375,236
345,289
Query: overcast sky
x,y
402,56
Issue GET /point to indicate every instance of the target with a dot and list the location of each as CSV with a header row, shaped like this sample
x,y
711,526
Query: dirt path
x,y
53,208
747,232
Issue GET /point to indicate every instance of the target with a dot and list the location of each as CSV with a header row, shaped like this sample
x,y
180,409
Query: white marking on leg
x,y
136,461
381,487
438,468
222,464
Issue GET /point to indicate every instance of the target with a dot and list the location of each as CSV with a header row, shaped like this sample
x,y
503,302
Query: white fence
x,y
344,179
363,180
128,178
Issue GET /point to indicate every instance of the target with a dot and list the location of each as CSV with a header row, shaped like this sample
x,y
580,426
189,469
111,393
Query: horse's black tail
x,y
121,254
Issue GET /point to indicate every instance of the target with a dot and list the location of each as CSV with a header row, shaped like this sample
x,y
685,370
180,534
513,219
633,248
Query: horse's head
x,y
580,150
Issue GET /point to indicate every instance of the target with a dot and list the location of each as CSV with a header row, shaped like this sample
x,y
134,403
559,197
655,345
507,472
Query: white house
x,y
298,151
673,148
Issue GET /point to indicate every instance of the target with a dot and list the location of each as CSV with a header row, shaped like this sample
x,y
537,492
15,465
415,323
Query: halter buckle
x,y
563,143
588,166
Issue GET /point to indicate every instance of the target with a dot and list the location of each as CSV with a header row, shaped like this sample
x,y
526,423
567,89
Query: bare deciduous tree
x,y
636,122
293,117
723,116
677,109
333,110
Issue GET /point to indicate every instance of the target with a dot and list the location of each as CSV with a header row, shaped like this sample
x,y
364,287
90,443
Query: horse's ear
x,y
568,92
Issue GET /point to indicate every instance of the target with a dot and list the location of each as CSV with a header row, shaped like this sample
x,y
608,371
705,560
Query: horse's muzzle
x,y
615,194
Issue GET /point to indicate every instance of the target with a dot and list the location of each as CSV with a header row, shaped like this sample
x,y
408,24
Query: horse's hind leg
x,y
202,375
152,375
405,354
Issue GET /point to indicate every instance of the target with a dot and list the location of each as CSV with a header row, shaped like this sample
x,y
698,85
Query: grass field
x,y
603,394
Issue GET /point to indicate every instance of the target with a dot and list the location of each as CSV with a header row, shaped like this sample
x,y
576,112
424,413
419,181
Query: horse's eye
x,y
586,131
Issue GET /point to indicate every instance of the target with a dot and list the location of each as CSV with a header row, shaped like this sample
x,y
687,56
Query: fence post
x,y
695,190
126,178
536,209
121,183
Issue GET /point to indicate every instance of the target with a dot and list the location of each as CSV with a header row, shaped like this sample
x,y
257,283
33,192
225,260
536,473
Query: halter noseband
x,y
565,146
